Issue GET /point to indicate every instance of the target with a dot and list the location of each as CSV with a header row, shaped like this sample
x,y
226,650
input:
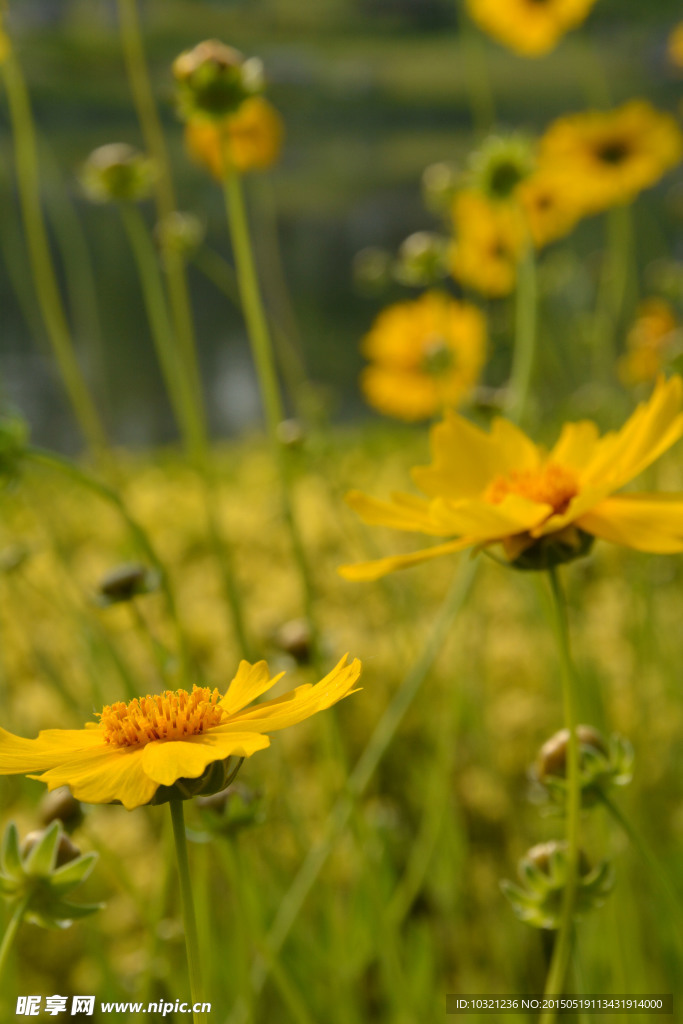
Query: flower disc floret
x,y
172,715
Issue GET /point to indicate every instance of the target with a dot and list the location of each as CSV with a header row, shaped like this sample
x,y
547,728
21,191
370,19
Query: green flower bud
x,y
181,233
126,582
40,872
544,871
440,182
422,260
294,637
118,173
214,80
60,805
602,764
501,164
553,550
372,270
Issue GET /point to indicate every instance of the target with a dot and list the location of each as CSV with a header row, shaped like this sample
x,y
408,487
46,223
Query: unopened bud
x,y
602,763
422,259
215,79
61,805
66,849
126,582
118,173
294,637
181,233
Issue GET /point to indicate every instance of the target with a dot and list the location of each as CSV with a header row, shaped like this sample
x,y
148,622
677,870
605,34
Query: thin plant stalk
x,y
11,931
525,334
477,79
262,350
563,942
612,289
44,276
187,903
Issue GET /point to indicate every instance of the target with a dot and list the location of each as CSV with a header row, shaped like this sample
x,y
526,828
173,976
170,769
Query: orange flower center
x,y
551,485
172,715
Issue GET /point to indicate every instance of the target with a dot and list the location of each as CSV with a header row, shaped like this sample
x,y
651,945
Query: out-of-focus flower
x,y
248,140
126,582
372,269
542,507
544,870
649,342
118,172
608,157
426,354
174,745
675,45
501,164
180,232
422,260
214,80
489,242
529,27
440,182
550,212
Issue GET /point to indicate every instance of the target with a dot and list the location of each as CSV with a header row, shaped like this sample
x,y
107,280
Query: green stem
x,y
525,335
563,940
187,902
11,931
262,350
477,80
612,289
143,97
45,278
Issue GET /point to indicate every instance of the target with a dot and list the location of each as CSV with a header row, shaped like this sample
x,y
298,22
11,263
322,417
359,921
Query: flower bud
x,y
41,872
118,173
217,776
544,870
422,259
126,582
601,764
526,553
371,269
61,805
214,80
440,182
500,165
181,233
294,637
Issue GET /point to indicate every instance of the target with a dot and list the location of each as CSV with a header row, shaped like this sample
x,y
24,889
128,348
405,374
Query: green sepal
x,y
11,854
41,860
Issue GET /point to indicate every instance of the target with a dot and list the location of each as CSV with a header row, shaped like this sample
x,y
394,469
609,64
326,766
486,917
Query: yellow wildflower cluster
x,y
531,28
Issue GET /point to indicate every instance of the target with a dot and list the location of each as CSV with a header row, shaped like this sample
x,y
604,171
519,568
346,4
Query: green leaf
x,y
41,859
72,874
11,856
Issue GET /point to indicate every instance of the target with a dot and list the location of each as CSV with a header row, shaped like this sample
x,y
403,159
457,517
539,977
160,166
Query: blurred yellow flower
x,y
529,27
648,343
549,211
608,157
675,45
248,140
489,242
156,741
426,355
542,507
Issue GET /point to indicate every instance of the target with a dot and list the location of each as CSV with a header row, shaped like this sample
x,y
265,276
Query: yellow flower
x,y
542,507
489,242
549,211
608,157
157,741
529,27
648,343
675,45
426,355
248,140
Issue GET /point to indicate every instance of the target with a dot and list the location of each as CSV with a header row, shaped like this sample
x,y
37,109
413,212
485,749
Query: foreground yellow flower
x,y
542,507
529,27
248,140
608,157
157,741
426,355
489,242
649,343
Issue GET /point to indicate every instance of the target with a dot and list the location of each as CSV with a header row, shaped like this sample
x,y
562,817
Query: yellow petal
x,y
403,512
646,522
105,776
166,761
382,566
52,747
298,704
486,521
578,507
576,445
249,683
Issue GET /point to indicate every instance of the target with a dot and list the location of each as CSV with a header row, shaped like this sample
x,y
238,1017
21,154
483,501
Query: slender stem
x,y
44,276
612,289
525,334
11,931
143,97
477,80
562,947
262,350
187,902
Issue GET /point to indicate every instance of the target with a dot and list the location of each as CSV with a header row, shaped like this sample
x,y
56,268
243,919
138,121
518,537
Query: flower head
x,y
489,241
214,80
543,507
250,139
550,210
426,354
650,342
154,748
608,157
118,173
529,27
